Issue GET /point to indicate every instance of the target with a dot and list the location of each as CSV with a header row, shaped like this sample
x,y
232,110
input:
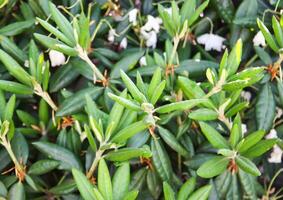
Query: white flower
x,y
259,39
111,35
272,134
246,95
279,113
149,37
276,155
124,43
244,129
211,41
133,16
56,58
150,29
153,23
143,61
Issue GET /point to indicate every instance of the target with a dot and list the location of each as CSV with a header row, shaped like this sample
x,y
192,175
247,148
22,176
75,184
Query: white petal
x,y
152,39
279,113
124,43
56,58
246,95
259,40
276,155
244,128
211,41
133,16
111,35
142,61
272,134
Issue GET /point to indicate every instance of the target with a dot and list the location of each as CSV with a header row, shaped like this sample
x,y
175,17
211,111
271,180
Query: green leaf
x,y
265,108
213,167
104,180
26,118
129,131
64,76
187,188
171,140
9,109
250,141
90,138
77,101
267,35
84,186
55,32
126,154
155,81
247,165
66,158
187,10
158,92
260,148
249,184
137,95
16,28
203,114
121,181
125,102
213,136
115,116
17,192
236,132
201,194
132,195
197,12
277,31
234,59
63,24
20,147
14,68
43,166
180,106
161,160
169,194
16,88
126,63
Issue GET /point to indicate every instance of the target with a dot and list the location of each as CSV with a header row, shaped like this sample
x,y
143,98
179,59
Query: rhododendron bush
x,y
141,99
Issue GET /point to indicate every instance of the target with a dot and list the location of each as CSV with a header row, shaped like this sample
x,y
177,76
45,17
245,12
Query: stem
x,y
98,156
39,91
19,169
83,55
174,51
250,61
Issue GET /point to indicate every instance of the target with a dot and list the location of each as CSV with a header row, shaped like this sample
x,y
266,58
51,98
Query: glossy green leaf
x,y
66,158
213,136
84,186
265,108
213,167
43,166
169,194
74,103
121,181
104,180
180,106
201,194
247,165
126,154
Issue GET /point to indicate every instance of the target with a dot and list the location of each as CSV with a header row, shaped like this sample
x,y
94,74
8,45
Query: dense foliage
x,y
131,99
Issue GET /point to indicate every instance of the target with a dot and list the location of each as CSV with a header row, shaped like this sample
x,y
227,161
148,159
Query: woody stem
x,y
83,55
8,147
98,156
